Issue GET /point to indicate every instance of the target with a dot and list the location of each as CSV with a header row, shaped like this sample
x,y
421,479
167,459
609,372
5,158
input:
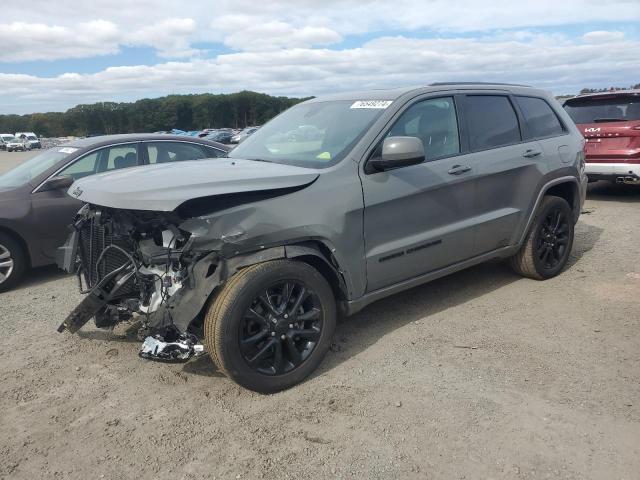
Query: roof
x,y
395,93
103,140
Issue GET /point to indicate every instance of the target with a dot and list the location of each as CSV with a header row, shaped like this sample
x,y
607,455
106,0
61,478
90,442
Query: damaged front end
x,y
136,264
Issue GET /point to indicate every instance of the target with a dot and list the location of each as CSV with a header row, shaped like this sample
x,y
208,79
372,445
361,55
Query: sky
x,y
57,54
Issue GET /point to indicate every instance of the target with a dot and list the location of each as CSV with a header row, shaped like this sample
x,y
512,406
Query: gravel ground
x,y
478,375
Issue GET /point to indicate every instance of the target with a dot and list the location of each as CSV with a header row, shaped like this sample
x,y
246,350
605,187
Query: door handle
x,y
531,153
459,169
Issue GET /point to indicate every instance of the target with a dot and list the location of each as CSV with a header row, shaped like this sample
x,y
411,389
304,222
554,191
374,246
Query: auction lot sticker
x,y
67,150
372,104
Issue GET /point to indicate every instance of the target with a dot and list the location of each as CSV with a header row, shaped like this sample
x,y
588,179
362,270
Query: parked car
x,y
220,136
34,209
243,134
4,139
30,137
16,144
610,123
404,186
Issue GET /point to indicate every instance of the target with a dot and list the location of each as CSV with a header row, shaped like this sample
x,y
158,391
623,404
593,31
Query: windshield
x,y
10,139
595,110
314,135
34,167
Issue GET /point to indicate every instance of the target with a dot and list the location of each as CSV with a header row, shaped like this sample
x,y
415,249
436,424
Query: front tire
x,y
547,246
13,262
271,325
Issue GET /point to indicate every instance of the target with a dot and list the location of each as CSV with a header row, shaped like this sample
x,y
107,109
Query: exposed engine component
x,y
128,262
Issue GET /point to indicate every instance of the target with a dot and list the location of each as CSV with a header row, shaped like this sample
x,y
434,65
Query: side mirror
x,y
57,183
399,152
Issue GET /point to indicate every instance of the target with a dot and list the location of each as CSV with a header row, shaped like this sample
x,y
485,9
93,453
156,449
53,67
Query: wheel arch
x,y
564,187
316,253
567,190
18,238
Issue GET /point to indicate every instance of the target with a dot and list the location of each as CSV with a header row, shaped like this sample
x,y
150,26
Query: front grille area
x,y
94,238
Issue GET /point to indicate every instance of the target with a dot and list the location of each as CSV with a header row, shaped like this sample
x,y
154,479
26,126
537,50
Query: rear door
x,y
509,168
420,218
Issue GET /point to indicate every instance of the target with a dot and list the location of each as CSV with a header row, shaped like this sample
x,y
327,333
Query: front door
x,y
420,218
53,210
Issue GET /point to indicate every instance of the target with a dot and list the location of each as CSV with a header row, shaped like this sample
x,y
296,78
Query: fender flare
x,y
543,191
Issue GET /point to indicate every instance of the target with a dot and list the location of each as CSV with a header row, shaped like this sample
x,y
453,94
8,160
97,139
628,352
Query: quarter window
x,y
492,122
433,121
541,119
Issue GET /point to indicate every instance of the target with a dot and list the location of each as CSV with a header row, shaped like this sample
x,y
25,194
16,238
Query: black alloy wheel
x,y
281,328
547,245
271,324
552,239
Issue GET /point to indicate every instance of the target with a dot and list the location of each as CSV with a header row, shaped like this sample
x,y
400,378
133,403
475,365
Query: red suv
x,y
610,123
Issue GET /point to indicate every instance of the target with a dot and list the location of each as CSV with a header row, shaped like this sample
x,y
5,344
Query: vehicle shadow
x,y
39,276
613,192
355,334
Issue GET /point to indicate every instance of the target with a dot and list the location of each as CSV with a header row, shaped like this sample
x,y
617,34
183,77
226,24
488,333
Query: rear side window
x,y
162,152
492,122
540,117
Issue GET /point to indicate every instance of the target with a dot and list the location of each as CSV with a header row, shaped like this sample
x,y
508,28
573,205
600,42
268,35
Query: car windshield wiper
x,y
601,120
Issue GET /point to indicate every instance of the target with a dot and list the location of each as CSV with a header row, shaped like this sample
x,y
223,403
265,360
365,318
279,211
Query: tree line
x,y
185,112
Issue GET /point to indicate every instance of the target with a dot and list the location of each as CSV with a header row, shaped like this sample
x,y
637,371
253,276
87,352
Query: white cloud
x,y
292,47
35,41
601,36
549,61
22,41
243,33
171,37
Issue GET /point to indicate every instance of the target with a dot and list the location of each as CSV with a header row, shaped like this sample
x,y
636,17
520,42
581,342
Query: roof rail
x,y
440,84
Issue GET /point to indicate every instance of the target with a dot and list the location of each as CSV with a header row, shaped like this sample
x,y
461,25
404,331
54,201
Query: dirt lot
x,y
479,375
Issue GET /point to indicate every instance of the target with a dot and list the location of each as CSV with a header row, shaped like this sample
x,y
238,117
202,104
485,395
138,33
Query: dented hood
x,y
164,187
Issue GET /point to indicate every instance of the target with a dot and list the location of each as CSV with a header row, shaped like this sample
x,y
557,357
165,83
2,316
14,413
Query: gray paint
x,y
386,231
164,187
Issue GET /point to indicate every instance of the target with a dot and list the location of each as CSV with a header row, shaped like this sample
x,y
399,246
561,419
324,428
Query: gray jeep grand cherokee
x,y
335,203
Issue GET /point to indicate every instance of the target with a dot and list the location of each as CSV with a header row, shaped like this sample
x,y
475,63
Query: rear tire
x,y
271,325
547,246
13,262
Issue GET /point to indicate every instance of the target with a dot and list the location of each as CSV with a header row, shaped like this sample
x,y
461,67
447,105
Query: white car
x,y
4,138
14,144
31,137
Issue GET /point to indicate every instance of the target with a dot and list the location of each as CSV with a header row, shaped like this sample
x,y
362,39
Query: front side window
x,y
316,135
433,121
103,160
492,122
541,119
28,171
82,167
163,152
